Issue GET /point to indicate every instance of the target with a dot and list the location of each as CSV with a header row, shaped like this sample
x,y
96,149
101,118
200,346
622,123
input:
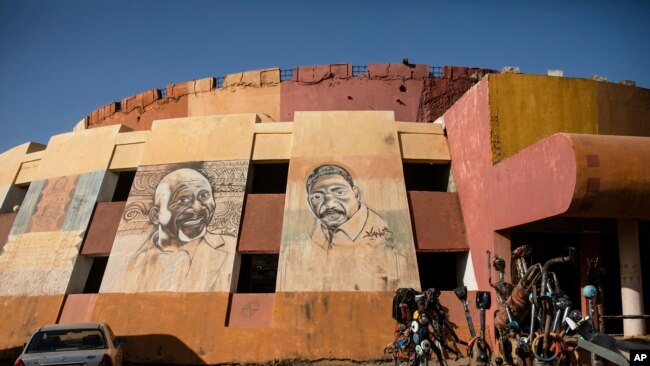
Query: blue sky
x,y
60,60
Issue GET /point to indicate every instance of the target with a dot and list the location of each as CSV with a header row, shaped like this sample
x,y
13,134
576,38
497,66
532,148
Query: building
x,y
271,214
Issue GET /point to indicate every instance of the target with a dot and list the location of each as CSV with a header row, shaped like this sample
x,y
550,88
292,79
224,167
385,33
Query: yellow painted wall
x,y
623,110
527,108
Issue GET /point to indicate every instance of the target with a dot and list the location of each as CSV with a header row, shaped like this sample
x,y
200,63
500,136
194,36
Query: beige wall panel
x,y
133,137
28,171
38,263
272,146
428,147
346,233
11,160
200,139
265,101
127,156
79,152
345,134
419,127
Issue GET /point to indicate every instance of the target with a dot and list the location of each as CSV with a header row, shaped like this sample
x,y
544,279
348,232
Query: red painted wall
x,y
437,221
6,220
102,228
261,228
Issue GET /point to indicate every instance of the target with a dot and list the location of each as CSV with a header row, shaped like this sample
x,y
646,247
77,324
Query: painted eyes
x,y
202,196
317,197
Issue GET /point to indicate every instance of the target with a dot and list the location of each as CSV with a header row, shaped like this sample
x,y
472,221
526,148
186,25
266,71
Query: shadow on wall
x,y
159,349
9,355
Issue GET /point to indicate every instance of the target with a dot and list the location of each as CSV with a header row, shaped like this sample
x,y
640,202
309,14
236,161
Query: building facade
x,y
265,216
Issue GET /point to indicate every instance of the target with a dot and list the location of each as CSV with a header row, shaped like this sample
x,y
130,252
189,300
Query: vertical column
x,y
631,280
589,248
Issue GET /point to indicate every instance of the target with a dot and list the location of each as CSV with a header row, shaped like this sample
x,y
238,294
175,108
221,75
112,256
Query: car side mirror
x,y
120,341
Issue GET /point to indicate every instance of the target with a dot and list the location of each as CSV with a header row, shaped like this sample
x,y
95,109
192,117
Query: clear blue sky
x,y
60,60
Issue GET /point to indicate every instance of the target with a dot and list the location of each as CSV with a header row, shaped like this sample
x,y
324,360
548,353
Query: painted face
x,y
333,200
186,206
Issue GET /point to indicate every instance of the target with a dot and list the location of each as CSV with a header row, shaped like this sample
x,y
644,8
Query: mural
x,y
43,245
179,229
341,218
335,241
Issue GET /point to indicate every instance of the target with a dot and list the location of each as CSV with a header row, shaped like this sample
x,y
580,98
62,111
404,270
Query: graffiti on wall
x,y
334,240
341,217
179,229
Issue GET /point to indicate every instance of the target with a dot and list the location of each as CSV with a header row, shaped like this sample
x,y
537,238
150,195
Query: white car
x,y
85,344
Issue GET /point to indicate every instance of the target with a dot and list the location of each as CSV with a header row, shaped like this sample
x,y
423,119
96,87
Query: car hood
x,y
82,357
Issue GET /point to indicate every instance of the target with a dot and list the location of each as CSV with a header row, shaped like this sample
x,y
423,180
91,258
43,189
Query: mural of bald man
x,y
342,218
181,254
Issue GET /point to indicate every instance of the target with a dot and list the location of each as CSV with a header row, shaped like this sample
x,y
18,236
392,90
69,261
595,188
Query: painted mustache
x,y
330,212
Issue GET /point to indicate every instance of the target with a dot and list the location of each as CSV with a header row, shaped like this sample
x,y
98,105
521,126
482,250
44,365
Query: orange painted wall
x,y
190,327
20,316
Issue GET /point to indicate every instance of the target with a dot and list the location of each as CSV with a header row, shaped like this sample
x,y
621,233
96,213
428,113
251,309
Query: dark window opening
x,y
426,177
14,198
123,186
257,273
95,275
439,270
269,178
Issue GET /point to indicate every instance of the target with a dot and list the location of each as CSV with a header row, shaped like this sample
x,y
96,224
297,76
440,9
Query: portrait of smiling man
x,y
181,254
341,217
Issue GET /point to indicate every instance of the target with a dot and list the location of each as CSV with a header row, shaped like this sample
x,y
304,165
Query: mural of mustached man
x,y
341,218
334,239
179,229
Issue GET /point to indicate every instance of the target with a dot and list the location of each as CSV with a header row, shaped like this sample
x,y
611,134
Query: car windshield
x,y
66,339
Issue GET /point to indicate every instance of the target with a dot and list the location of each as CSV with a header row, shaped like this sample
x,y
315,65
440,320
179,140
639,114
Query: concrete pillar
x,y
631,280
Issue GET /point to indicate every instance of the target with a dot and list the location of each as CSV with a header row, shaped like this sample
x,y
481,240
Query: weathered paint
x,y
102,228
261,228
527,108
179,229
77,308
622,110
63,156
437,221
304,325
256,91
20,316
352,94
198,139
612,176
6,220
251,310
379,253
42,249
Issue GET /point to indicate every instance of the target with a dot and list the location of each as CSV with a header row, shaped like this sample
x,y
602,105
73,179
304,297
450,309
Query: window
x,y
268,178
441,269
123,186
257,273
95,275
426,177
